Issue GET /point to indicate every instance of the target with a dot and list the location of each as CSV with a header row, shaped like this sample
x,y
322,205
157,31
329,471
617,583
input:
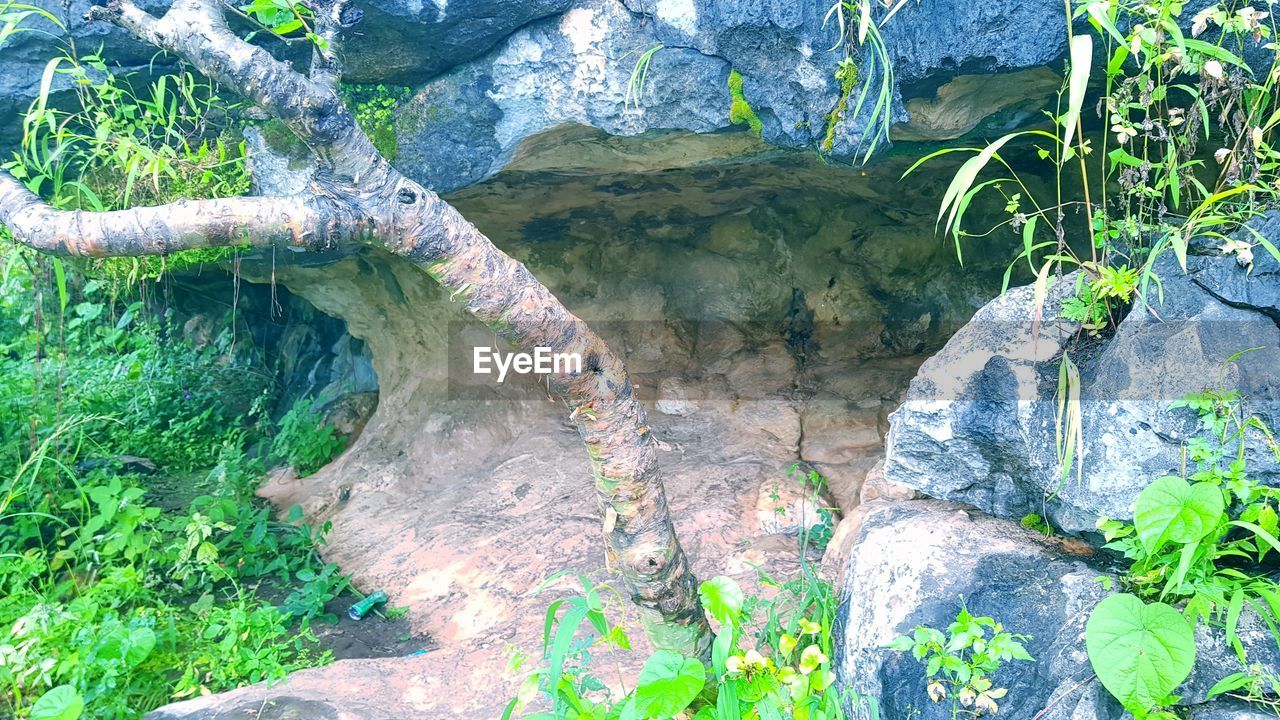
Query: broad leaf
x,y
1171,510
668,682
722,597
1140,652
60,703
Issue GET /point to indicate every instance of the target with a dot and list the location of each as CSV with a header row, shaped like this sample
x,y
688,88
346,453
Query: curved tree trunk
x,y
358,198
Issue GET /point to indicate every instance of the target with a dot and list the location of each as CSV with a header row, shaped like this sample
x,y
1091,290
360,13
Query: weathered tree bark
x,y
358,198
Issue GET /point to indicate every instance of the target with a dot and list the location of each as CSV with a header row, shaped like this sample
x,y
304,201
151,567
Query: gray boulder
x,y
494,76
575,69
913,562
25,54
407,43
979,427
468,124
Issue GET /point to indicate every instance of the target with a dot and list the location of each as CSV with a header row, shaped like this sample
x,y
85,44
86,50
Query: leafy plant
x,y
113,602
820,533
640,76
1199,541
374,107
117,144
16,17
1141,652
285,20
959,663
318,588
770,657
858,31
1144,187
304,441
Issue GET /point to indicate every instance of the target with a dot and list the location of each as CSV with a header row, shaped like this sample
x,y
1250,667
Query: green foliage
x,y
668,683
1200,541
304,441
120,591
18,17
284,19
118,144
1255,684
959,664
1145,187
1141,652
1170,510
60,703
821,532
98,586
859,34
640,76
374,107
770,658
740,111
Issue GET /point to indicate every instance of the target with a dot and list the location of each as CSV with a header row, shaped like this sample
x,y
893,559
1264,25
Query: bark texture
x,y
357,197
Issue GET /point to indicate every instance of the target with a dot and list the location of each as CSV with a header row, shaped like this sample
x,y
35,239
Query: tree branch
x,y
197,31
385,207
310,223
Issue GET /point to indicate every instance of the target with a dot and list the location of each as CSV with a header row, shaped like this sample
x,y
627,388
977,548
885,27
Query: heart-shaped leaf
x,y
1171,510
668,682
60,703
722,597
1140,652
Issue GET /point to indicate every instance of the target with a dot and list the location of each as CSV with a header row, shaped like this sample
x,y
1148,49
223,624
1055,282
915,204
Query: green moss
x,y
847,75
123,271
281,139
740,112
374,107
418,113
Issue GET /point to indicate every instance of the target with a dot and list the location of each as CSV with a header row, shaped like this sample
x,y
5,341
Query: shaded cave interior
x,y
770,311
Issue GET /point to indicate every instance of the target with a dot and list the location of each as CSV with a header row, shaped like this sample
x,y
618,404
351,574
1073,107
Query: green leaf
x,y
723,598
1231,682
1140,652
60,703
141,642
668,682
1171,510
1077,84
953,200
1263,535
1099,16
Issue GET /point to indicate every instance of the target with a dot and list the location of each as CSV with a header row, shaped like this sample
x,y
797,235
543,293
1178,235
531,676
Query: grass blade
x,y
1077,84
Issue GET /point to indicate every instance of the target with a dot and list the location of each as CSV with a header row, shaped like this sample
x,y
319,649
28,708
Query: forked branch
x,y
359,197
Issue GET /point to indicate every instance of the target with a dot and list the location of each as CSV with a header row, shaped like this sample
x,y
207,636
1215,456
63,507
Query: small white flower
x,y
1213,69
